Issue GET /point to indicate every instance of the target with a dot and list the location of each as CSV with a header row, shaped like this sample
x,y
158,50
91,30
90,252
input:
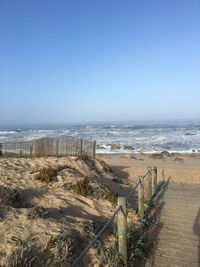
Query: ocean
x,y
147,137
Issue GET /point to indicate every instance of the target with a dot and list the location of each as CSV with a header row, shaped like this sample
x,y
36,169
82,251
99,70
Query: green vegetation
x,y
47,175
111,196
138,247
59,251
81,187
91,188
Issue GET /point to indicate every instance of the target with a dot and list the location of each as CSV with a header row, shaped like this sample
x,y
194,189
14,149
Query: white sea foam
x,y
7,132
143,138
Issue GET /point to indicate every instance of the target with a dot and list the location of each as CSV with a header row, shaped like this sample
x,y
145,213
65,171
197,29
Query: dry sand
x,y
69,212
181,167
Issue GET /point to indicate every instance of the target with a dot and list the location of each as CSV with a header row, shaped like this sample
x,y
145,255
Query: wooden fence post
x,y
81,150
1,150
141,197
31,150
163,174
149,184
94,149
57,147
154,179
122,228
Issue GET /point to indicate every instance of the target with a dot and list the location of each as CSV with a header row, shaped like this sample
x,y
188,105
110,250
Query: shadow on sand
x,y
196,230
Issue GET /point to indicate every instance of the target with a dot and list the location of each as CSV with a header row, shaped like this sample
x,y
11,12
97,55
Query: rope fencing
x,y
151,175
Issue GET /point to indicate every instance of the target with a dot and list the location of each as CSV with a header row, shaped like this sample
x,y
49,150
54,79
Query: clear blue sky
x,y
95,60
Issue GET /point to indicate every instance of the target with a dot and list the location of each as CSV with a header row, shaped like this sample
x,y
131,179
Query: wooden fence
x,y
49,147
146,191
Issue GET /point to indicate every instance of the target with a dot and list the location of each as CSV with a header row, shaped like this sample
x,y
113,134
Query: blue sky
x,y
97,60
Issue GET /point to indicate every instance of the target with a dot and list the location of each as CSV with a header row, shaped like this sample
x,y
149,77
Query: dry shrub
x,y
138,247
87,160
91,188
37,212
58,251
25,257
47,175
111,255
106,167
10,196
26,254
117,180
81,187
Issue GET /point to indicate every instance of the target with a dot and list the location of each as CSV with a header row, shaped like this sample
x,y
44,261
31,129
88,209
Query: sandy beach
x,y
180,167
44,216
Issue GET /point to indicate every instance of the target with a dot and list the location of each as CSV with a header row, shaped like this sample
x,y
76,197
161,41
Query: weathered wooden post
x,y
57,147
154,179
1,149
94,149
31,150
141,197
149,184
163,174
122,228
81,149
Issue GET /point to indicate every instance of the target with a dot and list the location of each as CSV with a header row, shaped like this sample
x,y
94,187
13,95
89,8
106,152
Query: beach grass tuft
x,y
47,175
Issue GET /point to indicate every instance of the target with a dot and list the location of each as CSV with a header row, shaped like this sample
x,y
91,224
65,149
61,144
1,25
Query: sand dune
x,y
36,212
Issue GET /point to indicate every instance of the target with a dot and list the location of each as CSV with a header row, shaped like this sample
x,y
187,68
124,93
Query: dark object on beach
x,y
130,156
10,197
156,156
165,154
178,159
37,212
162,155
115,146
175,154
47,175
126,147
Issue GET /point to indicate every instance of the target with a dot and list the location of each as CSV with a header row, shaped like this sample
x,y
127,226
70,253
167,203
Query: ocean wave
x,y
134,127
7,132
143,138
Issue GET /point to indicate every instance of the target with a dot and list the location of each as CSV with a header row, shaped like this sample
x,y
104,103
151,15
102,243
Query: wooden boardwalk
x,y
178,240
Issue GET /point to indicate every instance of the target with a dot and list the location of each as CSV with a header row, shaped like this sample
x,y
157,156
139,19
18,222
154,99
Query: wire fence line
x,y
122,220
49,147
